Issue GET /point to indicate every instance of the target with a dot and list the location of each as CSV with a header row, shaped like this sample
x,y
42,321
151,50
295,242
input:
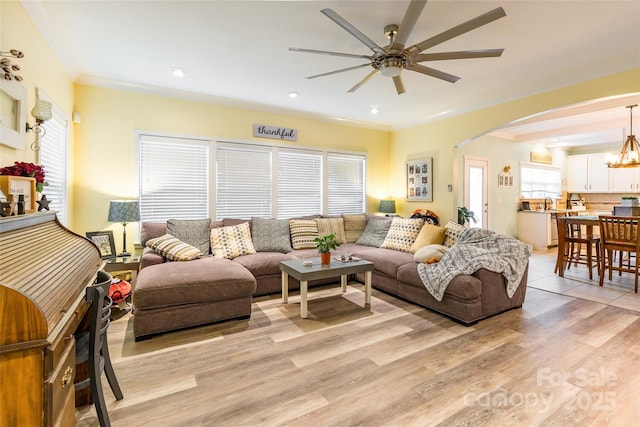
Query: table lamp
x,y
124,211
387,207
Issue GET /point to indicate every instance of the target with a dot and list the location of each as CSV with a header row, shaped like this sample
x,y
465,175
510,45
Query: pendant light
x,y
629,155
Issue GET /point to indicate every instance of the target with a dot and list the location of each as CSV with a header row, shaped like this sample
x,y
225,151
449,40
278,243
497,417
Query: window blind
x,y
53,157
174,174
538,181
345,184
243,181
299,183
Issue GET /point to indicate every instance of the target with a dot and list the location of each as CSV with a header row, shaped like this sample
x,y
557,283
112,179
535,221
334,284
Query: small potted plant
x,y
324,245
465,215
629,201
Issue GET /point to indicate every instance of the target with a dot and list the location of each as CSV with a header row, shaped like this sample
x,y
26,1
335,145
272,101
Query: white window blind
x,y
537,181
243,181
345,184
174,174
53,157
299,183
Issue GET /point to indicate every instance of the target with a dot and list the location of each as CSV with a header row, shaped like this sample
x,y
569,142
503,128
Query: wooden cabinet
x,y
587,173
44,270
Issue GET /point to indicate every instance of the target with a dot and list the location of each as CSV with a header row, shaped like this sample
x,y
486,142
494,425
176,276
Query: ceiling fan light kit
x,y
629,155
393,58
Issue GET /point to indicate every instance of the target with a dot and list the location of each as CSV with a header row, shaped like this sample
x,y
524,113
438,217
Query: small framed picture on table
x,y
104,241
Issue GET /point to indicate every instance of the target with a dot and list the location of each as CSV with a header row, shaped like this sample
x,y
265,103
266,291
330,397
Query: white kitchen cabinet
x,y
625,180
539,229
587,173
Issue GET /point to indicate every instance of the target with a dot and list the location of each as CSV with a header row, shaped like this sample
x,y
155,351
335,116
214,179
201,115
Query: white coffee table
x,y
305,273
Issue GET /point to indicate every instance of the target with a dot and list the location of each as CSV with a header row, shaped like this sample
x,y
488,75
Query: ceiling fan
x,y
392,59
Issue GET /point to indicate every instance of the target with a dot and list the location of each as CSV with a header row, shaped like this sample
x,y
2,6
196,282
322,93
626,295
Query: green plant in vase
x,y
325,245
465,215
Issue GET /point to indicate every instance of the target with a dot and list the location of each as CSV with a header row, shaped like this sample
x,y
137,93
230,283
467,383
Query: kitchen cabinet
x,y
539,229
587,173
625,180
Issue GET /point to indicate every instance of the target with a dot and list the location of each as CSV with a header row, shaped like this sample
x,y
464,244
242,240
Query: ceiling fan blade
x,y
329,13
339,71
397,81
433,73
471,24
325,52
363,81
463,54
408,22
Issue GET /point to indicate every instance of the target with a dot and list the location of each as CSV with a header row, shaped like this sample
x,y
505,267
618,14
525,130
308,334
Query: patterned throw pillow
x,y
192,231
429,235
303,231
173,249
233,241
402,234
354,225
452,231
375,232
333,226
271,235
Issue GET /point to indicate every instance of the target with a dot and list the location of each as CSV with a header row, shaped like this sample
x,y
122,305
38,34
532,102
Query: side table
x,y
131,264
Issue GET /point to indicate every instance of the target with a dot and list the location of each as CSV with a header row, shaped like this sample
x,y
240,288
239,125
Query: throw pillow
x,y
430,253
233,241
192,231
173,249
452,231
374,233
354,225
271,235
402,234
333,226
303,231
429,235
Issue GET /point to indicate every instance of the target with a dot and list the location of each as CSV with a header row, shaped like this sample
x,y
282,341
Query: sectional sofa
x,y
205,288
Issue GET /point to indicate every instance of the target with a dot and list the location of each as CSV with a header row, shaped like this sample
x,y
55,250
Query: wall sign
x,y
273,132
546,158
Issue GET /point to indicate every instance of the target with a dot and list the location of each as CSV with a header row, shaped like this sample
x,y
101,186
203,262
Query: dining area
x,y
607,246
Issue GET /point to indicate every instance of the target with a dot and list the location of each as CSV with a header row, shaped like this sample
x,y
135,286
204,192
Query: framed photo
x,y
13,186
505,179
13,114
104,241
420,180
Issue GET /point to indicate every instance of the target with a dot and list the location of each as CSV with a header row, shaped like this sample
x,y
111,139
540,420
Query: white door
x,y
476,189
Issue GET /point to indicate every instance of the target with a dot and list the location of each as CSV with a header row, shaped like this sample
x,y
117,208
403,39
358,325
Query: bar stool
x,y
619,234
570,238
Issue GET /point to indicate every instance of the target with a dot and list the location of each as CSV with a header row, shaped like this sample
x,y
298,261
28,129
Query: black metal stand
x,y
124,252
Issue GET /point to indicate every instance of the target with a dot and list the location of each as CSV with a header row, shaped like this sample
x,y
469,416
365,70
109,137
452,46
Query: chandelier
x,y
629,155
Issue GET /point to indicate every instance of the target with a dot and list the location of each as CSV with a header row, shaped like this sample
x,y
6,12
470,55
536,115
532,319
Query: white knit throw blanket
x,y
478,248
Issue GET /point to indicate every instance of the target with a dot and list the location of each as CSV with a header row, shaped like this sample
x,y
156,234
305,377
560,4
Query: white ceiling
x,y
236,52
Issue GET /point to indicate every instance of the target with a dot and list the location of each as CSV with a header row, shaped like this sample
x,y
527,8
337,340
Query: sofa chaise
x,y
171,295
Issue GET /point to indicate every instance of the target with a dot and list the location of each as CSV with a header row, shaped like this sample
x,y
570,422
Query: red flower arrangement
x,y
29,170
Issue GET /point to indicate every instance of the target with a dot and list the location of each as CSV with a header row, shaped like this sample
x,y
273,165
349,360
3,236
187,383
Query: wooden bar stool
x,y
570,243
619,235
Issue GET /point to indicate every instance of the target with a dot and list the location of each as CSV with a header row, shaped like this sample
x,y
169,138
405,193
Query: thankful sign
x,y
273,132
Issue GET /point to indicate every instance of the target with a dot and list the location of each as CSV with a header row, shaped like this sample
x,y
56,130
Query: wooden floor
x,y
560,360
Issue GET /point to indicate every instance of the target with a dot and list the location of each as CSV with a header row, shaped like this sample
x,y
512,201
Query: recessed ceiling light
x,y
178,72
293,94
374,110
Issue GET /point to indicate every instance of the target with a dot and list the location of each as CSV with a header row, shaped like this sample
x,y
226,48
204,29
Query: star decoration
x,y
43,203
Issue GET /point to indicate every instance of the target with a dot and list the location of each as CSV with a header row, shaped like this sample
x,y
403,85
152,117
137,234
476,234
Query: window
x,y
53,156
174,176
538,181
243,181
345,187
249,180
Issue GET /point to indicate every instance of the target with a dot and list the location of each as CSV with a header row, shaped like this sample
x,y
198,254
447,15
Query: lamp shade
x,y
42,110
124,211
387,206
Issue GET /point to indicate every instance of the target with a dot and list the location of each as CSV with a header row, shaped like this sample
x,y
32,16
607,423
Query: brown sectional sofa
x,y
175,295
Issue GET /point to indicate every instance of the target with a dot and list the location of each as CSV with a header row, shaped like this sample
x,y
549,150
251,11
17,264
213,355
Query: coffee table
x,y
297,269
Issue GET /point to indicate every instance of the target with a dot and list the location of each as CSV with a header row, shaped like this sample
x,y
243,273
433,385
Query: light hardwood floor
x,y
560,360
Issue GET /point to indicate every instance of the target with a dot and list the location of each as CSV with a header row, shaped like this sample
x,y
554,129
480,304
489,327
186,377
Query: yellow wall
x,y
105,161
39,68
439,139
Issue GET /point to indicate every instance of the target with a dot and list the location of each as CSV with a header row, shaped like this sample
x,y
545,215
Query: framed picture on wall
x,y
420,180
104,241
